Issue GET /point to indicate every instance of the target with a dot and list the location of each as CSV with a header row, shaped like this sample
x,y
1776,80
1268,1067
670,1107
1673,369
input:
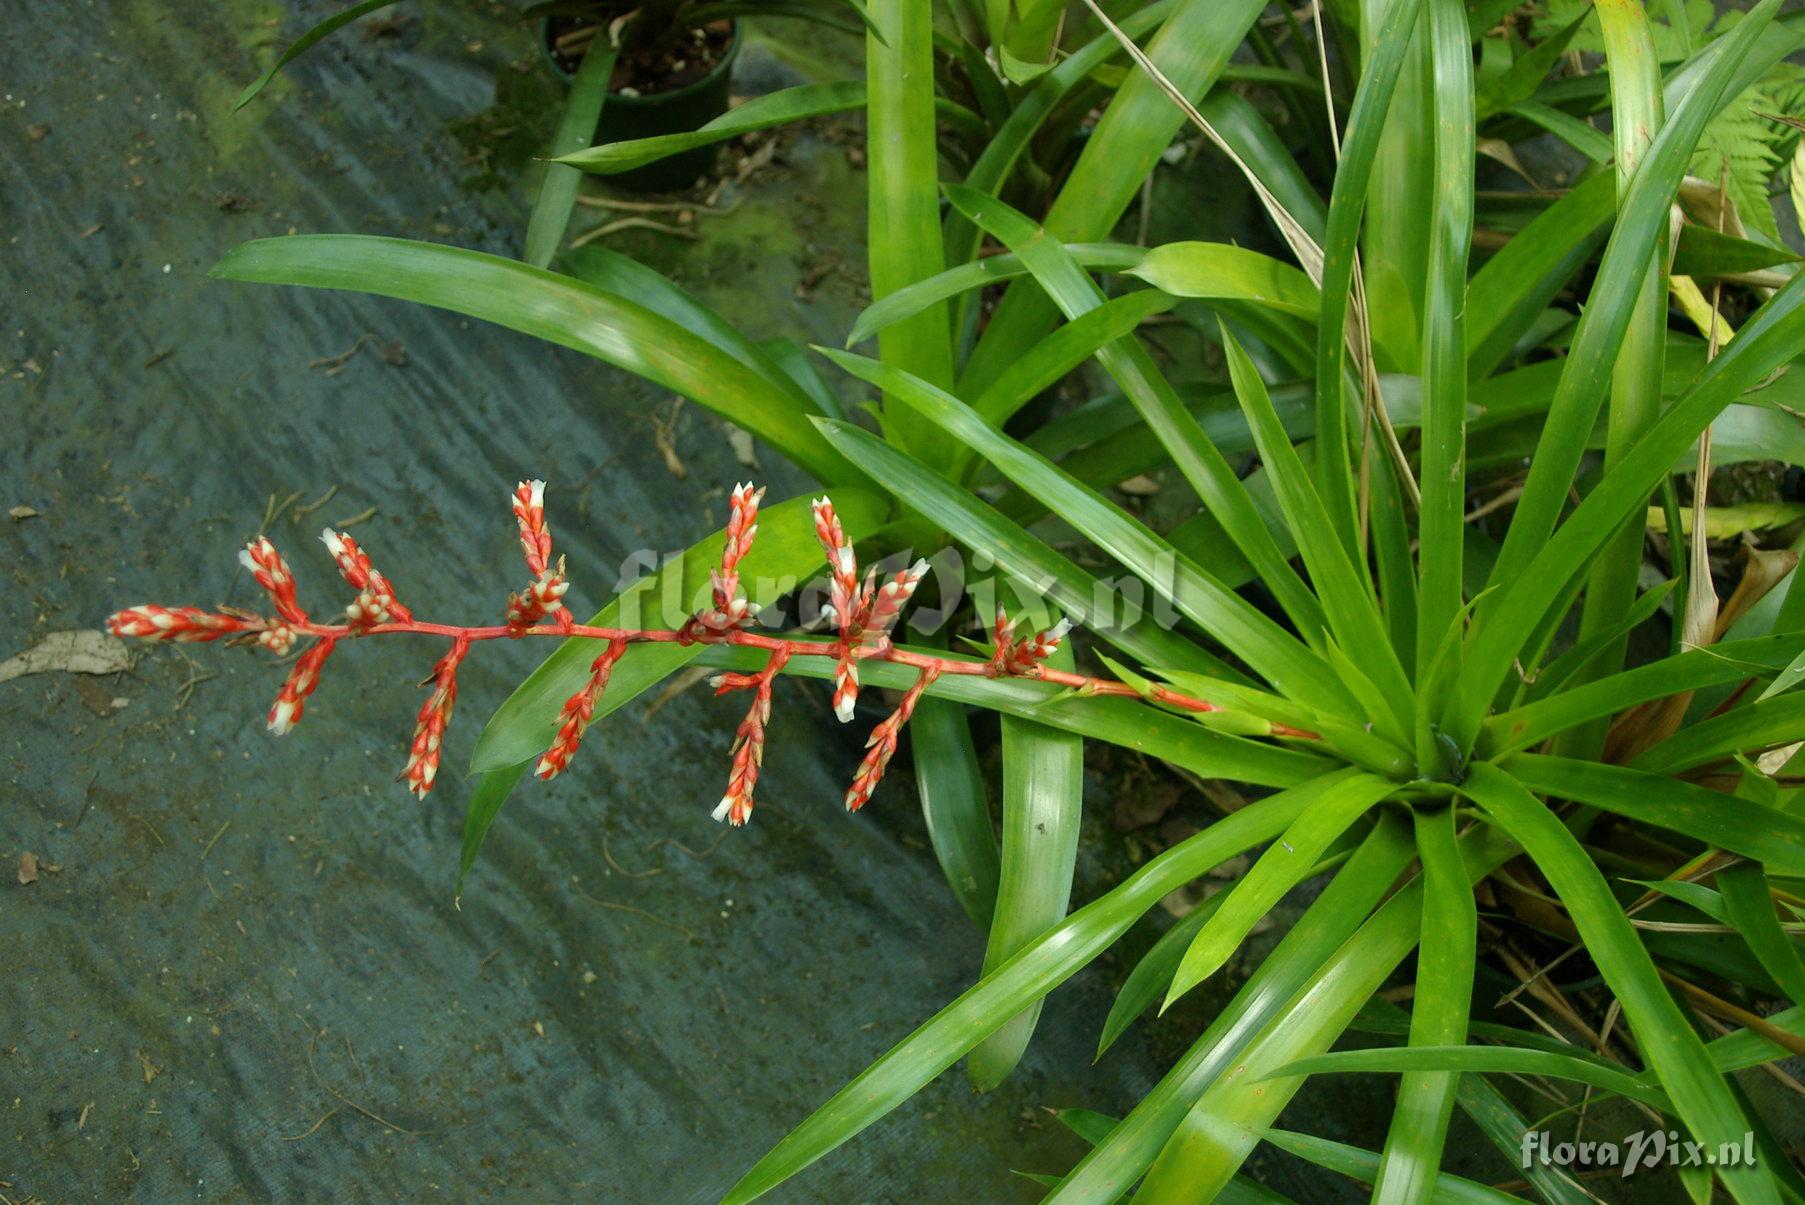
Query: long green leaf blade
x,y
1410,1165
1674,1051
1277,871
1043,809
550,307
1037,969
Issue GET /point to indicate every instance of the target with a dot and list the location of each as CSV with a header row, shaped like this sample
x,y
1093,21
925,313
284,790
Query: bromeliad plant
x,y
1425,489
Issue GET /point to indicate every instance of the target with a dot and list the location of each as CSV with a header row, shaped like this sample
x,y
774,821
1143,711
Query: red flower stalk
x,y
579,712
882,743
422,766
303,679
272,573
749,741
864,612
375,602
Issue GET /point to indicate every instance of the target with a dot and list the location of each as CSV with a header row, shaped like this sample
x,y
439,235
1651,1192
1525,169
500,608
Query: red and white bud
x,y
535,537
272,573
303,680
888,601
541,598
422,767
278,639
1029,653
578,712
375,602
188,624
730,612
846,685
882,743
749,740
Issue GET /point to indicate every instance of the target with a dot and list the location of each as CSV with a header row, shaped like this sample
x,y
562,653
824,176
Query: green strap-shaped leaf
x,y
1017,552
1336,914
615,273
963,278
1498,1060
903,201
1204,1146
1532,723
1666,1038
760,113
1749,901
1225,271
1767,340
1266,646
1037,969
1755,726
1191,48
1064,350
1642,219
555,308
1032,108
1410,1165
1441,520
1363,1165
1278,870
1043,810
1152,975
1741,826
953,805
1515,286
1347,597
1347,202
550,218
300,45
1201,463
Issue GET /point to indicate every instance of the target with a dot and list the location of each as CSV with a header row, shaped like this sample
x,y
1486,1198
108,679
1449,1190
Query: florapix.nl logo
x,y
1638,1151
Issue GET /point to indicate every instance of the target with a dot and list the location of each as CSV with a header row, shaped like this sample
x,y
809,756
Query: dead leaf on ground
x,y
151,1070
28,869
19,514
81,652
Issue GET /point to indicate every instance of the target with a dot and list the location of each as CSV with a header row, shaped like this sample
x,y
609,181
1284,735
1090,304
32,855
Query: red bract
x,y
865,614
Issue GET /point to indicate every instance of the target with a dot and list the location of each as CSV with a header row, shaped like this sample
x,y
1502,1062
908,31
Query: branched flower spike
x,y
732,611
844,604
544,594
865,613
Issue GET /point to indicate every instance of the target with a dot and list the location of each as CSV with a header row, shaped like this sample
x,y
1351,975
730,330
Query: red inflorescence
x,y
882,743
151,622
375,602
303,679
545,593
865,615
579,711
422,767
749,739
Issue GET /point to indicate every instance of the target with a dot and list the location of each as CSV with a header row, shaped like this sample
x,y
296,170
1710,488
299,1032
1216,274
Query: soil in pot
x,y
670,89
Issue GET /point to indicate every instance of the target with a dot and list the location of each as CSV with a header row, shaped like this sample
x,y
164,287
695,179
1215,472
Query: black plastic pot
x,y
676,112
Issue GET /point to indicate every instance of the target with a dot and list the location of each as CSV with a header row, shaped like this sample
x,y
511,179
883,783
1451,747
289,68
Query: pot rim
x,y
656,98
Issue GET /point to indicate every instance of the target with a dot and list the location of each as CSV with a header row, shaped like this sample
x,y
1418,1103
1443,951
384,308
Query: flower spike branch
x,y
865,614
